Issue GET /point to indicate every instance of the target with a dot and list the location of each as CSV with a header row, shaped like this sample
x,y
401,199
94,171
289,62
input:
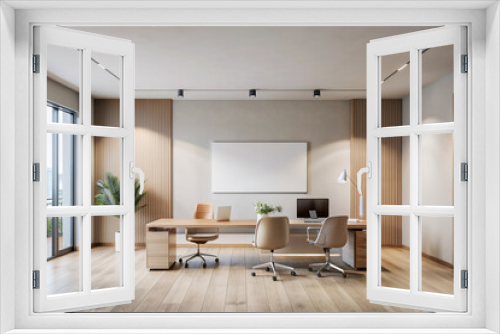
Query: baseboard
x,y
432,258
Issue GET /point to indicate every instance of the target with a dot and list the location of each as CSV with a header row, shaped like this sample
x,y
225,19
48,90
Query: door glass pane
x,y
63,170
63,82
106,255
65,233
437,254
395,252
436,169
437,85
395,89
395,171
106,171
64,269
106,89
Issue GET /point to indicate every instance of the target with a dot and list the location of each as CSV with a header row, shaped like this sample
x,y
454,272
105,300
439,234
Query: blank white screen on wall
x,y
259,167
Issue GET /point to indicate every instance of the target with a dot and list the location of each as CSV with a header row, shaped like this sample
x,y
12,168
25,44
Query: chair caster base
x,y
311,269
344,275
275,278
216,260
318,274
204,265
186,265
253,273
267,269
293,273
180,260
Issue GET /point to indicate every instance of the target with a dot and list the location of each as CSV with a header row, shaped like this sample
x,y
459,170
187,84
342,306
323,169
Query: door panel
x,y
423,70
70,62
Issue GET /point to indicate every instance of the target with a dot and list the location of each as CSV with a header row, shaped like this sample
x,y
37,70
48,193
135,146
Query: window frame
x,y
474,318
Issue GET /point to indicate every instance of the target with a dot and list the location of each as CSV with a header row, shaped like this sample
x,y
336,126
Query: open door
x,y
426,72
72,71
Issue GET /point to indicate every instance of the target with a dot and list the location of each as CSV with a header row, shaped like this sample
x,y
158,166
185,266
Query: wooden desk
x,y
233,223
161,234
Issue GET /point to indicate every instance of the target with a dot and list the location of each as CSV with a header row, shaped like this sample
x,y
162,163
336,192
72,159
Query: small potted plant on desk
x,y
265,210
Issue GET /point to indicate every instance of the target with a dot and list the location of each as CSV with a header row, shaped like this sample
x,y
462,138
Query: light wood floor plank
x,y
236,286
154,298
215,300
229,286
195,295
256,297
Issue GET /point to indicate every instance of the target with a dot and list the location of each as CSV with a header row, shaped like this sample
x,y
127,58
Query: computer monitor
x,y
306,205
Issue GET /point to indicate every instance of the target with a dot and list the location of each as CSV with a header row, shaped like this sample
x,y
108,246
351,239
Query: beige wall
x,y
325,125
62,95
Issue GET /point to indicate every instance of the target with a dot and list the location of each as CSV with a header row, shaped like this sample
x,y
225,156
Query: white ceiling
x,y
224,62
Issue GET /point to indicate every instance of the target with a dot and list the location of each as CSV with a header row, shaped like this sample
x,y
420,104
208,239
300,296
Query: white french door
x,y
79,77
426,72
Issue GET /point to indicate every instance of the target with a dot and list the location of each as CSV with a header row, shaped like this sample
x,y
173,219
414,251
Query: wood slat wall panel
x,y
391,154
358,153
153,154
391,165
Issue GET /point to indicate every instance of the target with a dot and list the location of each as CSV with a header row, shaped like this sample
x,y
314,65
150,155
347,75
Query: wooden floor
x,y
229,286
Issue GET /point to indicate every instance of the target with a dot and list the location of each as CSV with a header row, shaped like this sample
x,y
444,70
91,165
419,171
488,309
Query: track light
x,y
180,93
317,93
252,93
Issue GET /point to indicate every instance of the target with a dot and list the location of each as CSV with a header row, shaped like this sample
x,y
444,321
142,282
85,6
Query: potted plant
x,y
109,194
265,210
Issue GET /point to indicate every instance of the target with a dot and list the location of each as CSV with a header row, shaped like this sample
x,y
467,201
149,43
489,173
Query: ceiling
x,y
222,63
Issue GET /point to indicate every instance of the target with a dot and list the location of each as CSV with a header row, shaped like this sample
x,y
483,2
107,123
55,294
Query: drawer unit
x,y
160,247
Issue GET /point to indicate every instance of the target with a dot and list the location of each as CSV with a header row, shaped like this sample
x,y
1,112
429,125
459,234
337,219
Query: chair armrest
x,y
311,229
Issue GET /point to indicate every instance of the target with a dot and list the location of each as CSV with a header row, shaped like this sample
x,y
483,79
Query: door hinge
x,y
464,279
36,63
36,172
464,171
465,64
36,279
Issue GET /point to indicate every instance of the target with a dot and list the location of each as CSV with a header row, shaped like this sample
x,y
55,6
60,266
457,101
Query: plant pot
x,y
262,215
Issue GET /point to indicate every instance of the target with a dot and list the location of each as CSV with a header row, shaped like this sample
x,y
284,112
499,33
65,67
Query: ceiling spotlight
x,y
317,93
252,93
180,93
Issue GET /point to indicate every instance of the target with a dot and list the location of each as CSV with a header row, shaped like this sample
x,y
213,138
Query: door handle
x,y
132,171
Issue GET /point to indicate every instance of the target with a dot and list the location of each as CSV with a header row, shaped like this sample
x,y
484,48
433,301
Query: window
x,y
60,182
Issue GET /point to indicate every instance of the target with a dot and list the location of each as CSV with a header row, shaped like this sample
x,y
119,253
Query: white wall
x,y
437,164
7,167
325,125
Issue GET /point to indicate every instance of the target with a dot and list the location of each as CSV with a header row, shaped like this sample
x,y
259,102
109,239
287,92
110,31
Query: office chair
x,y
332,234
272,233
201,236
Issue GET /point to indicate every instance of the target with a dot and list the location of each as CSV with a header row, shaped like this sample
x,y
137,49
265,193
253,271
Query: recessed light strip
x,y
104,68
400,69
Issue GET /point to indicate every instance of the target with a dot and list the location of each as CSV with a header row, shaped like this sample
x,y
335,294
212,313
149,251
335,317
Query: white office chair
x,y
332,234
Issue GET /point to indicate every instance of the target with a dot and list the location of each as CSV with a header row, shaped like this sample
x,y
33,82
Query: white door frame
x,y
87,43
413,43
473,18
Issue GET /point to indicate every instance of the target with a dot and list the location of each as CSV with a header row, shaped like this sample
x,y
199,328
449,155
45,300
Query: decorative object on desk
x,y
265,210
109,192
343,177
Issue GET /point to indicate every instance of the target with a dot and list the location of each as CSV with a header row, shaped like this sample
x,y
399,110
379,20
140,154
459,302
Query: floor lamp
x,y
343,177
